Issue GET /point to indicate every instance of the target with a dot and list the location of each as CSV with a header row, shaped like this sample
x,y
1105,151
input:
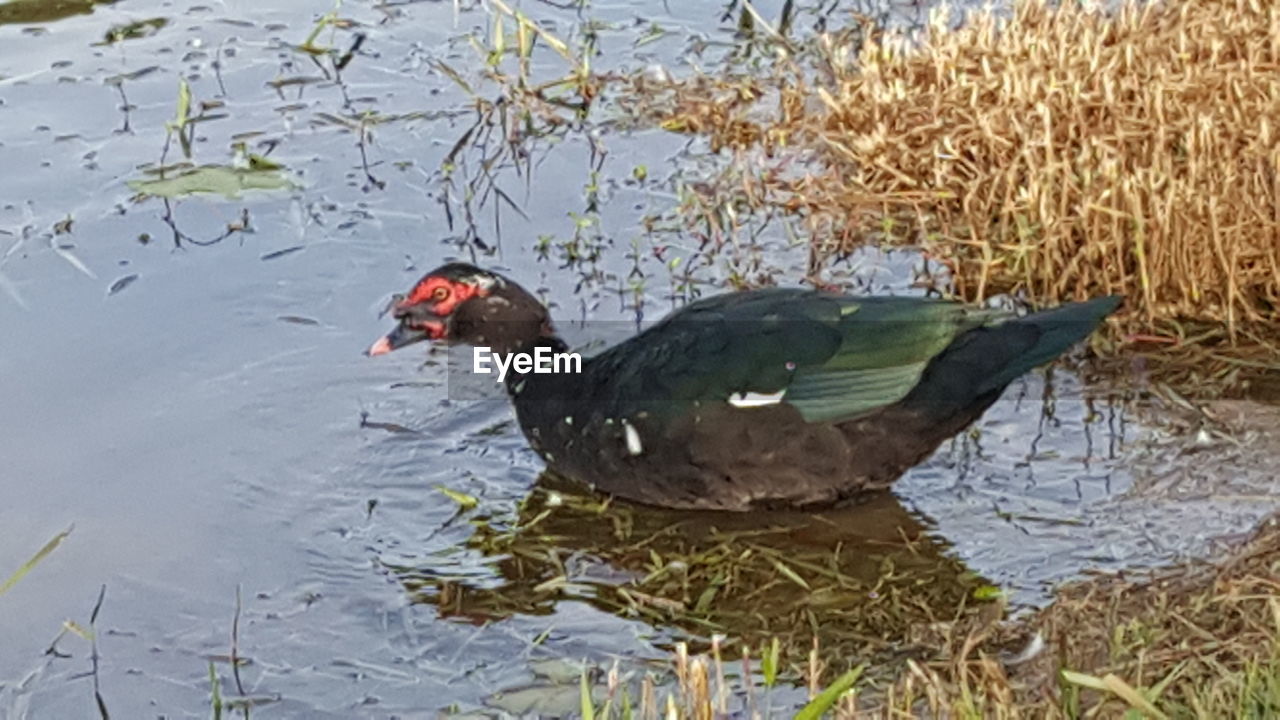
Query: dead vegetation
x,y
1186,642
1061,153
1201,641
1198,642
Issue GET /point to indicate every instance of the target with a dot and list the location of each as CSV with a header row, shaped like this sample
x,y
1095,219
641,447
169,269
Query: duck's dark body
x,y
720,457
780,397
878,384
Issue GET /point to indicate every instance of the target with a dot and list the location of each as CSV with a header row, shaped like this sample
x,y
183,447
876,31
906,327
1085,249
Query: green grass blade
x,y
588,709
790,574
35,560
769,663
215,693
827,698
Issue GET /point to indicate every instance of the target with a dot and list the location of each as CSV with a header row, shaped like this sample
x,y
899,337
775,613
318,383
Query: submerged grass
x,y
866,582
1194,642
1058,153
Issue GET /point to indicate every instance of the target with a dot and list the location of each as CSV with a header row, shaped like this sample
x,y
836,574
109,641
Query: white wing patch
x,y
754,399
633,439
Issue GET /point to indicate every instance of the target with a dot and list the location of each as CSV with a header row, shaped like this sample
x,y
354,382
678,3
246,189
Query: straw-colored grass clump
x,y
1061,153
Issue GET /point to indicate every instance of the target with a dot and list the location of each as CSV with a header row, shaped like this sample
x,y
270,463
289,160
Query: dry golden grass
x,y
1057,154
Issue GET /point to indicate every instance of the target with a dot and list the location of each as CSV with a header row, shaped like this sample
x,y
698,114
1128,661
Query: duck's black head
x,y
461,303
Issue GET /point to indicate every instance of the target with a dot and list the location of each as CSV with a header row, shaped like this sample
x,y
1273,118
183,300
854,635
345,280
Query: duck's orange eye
x,y
440,293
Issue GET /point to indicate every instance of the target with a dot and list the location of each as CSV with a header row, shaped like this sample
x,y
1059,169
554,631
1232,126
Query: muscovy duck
x,y
779,397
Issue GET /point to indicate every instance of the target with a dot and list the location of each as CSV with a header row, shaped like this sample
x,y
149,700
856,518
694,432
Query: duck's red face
x,y
427,311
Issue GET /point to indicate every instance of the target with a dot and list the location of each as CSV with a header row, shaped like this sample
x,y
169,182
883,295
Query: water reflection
x,y
865,580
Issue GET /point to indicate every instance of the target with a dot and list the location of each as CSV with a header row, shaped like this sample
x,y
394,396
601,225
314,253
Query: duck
x,y
772,398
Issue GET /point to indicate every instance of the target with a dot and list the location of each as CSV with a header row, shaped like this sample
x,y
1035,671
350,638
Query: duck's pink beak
x,y
396,339
382,347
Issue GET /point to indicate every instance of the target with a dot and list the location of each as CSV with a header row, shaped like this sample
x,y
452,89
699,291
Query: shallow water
x,y
195,409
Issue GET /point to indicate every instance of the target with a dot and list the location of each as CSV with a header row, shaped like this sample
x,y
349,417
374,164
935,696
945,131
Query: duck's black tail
x,y
971,372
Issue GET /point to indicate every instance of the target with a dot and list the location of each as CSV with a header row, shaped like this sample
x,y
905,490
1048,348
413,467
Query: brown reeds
x,y
1058,153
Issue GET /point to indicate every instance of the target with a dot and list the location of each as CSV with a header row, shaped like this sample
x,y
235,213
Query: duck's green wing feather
x,y
887,342
831,357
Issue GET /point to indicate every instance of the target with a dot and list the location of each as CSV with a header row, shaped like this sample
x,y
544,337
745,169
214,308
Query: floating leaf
x,y
217,179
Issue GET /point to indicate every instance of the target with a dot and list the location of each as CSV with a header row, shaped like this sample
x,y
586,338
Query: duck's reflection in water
x,y
867,580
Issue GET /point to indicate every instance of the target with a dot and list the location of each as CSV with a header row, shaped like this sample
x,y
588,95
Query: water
x,y
194,407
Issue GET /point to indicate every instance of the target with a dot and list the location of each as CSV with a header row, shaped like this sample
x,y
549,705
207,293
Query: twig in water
x,y
342,62
235,644
233,227
93,656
